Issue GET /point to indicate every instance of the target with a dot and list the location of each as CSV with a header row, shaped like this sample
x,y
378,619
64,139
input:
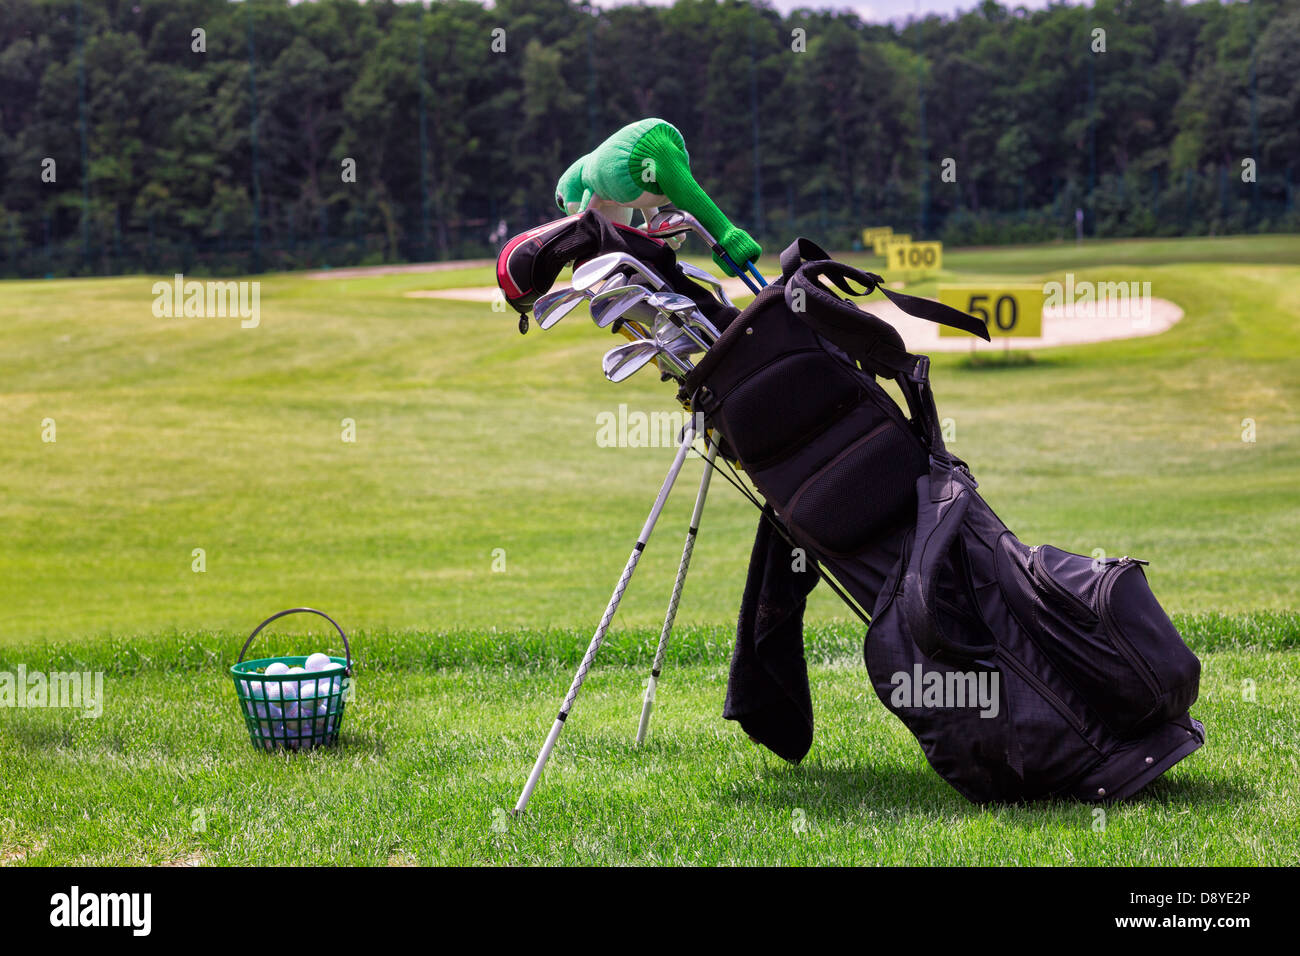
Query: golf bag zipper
x,y
1136,661
1082,613
1037,683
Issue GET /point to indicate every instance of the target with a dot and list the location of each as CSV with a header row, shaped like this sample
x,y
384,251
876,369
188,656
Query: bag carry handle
x,y
347,651
797,253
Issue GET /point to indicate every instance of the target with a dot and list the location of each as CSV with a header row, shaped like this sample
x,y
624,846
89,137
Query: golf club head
x,y
599,269
674,222
623,361
700,275
682,312
671,338
609,304
553,306
673,302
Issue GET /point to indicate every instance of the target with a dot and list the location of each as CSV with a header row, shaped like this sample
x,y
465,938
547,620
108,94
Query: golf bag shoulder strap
x,y
797,253
864,337
831,315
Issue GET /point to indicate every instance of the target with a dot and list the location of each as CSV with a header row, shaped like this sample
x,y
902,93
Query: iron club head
x,y
601,268
553,306
609,304
700,275
623,361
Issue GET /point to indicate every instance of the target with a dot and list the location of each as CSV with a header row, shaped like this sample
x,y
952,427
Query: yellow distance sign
x,y
1008,311
914,257
870,234
880,244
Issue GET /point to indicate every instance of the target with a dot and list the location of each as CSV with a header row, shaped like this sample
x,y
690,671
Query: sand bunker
x,y
1062,325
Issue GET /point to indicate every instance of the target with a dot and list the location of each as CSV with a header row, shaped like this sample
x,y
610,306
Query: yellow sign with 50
x,y
1007,311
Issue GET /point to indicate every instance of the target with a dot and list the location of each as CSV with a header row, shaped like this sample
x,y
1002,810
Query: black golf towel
x,y
767,692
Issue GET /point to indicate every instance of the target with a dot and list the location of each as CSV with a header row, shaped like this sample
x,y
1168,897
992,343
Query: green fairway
x,y
476,450
176,434
433,759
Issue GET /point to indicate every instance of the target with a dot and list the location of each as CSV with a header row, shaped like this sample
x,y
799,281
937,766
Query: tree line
x,y
160,135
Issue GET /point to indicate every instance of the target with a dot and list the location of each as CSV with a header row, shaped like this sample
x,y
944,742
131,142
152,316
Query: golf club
x,y
602,267
611,302
676,222
675,308
671,337
625,360
553,306
701,275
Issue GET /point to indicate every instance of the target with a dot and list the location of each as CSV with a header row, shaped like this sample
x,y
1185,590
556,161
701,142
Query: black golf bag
x,y
1024,672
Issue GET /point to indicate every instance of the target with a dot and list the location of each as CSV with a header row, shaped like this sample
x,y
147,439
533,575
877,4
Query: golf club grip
x,y
736,270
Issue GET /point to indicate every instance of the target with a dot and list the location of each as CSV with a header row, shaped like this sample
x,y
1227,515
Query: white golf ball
x,y
273,710
276,667
290,687
300,733
272,733
318,662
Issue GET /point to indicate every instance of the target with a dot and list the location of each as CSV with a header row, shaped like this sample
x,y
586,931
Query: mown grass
x,y
432,758
176,434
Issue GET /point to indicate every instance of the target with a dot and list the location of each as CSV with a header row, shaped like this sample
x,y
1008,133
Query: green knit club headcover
x,y
660,163
649,158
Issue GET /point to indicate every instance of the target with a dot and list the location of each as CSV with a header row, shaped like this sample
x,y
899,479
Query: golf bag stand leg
x,y
688,437
649,701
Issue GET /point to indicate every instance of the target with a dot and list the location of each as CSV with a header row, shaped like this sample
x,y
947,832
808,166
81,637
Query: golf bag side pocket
x,y
1100,623
1094,682
991,715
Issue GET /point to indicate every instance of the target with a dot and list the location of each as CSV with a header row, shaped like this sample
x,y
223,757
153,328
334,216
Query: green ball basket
x,y
292,711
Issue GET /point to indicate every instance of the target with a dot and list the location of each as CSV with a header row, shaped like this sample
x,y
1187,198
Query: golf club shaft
x,y
680,324
688,436
688,549
739,272
725,257
716,247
